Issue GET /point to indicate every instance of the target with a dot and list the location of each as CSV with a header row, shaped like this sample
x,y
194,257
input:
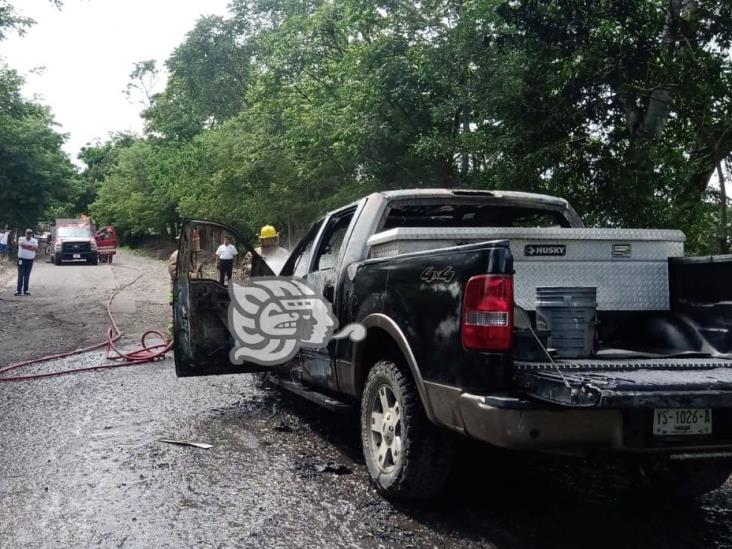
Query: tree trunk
x,y
723,236
465,160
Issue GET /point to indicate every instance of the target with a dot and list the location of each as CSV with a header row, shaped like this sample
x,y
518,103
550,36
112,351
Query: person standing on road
x,y
27,248
4,242
172,270
225,255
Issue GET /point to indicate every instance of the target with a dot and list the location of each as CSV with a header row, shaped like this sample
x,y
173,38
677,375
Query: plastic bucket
x,y
570,314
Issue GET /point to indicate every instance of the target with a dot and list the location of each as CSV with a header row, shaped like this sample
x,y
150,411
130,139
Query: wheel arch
x,y
385,339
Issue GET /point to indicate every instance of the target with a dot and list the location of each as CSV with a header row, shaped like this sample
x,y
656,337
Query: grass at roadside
x,y
153,248
140,252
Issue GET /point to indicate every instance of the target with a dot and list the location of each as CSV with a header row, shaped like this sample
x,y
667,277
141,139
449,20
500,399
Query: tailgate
x,y
642,383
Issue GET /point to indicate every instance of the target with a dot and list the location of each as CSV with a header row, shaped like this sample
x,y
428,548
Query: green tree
x,y
209,75
290,107
34,171
621,106
135,194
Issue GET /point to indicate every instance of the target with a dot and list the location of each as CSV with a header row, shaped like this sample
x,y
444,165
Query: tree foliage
x,y
34,172
36,177
288,107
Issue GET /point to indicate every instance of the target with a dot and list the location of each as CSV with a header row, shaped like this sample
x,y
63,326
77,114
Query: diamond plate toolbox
x,y
629,267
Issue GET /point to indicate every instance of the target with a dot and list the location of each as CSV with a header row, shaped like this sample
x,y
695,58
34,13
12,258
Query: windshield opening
x,y
73,232
472,215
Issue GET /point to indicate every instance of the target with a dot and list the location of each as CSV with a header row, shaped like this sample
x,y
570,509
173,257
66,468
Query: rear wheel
x,y
686,479
407,457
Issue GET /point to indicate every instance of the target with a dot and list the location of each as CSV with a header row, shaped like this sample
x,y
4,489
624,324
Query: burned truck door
x,y
319,364
201,301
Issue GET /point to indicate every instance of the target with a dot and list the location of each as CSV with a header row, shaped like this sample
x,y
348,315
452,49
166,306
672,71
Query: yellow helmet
x,y
268,231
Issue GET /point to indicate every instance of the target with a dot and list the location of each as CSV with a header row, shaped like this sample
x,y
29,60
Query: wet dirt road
x,y
81,463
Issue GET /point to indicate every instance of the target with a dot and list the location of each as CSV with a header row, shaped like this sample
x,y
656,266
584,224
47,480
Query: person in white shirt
x,y
4,241
225,255
27,248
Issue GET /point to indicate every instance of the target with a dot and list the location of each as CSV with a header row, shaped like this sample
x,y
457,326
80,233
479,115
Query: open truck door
x,y
201,302
106,239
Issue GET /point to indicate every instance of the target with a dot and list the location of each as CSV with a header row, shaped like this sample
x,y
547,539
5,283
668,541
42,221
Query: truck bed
x,y
633,383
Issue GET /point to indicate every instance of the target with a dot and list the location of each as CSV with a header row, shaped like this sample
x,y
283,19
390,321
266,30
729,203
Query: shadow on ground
x,y
504,499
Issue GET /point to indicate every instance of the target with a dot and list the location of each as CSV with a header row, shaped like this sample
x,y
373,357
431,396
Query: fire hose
x,y
144,354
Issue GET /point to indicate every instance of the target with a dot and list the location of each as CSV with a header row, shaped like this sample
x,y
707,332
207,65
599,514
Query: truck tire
x,y
57,259
94,260
407,457
683,479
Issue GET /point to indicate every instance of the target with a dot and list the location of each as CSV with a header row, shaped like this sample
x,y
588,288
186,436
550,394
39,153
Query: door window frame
x,y
333,220
313,235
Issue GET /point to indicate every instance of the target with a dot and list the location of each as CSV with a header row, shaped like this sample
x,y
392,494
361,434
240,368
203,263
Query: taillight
x,y
487,321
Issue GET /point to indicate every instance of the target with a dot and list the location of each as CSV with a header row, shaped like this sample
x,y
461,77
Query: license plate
x,y
682,421
77,256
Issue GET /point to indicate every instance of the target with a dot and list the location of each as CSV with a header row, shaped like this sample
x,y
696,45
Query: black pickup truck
x,y
444,283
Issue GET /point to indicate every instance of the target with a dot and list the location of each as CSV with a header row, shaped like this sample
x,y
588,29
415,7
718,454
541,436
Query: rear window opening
x,y
472,215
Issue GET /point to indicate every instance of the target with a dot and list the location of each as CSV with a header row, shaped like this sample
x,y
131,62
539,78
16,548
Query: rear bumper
x,y
517,424
520,427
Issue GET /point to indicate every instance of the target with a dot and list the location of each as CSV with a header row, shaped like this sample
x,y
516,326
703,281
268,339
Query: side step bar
x,y
313,396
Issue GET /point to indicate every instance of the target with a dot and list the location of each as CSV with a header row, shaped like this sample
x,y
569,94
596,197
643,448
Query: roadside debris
x,y
309,467
188,443
283,427
332,467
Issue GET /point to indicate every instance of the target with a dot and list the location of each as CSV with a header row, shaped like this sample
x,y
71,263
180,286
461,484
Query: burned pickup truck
x,y
497,316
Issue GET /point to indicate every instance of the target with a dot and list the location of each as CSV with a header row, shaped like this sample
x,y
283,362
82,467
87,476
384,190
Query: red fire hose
x,y
145,353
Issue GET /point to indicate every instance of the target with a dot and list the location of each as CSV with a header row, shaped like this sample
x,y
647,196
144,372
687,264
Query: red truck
x,y
106,239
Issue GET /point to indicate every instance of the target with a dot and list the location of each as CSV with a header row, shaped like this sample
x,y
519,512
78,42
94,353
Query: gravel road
x,y
82,464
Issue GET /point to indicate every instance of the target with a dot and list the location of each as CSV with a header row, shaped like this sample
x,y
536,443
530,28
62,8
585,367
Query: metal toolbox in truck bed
x,y
629,267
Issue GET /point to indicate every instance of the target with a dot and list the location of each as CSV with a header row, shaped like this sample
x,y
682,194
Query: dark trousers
x,y
226,266
24,270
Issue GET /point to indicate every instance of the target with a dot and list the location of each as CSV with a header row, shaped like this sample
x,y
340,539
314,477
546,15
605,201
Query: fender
x,y
383,322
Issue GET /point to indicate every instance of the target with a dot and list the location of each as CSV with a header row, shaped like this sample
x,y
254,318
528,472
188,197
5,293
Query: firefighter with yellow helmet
x,y
269,248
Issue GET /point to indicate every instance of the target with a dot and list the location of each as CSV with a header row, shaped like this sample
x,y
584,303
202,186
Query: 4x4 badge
x,y
436,274
545,249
